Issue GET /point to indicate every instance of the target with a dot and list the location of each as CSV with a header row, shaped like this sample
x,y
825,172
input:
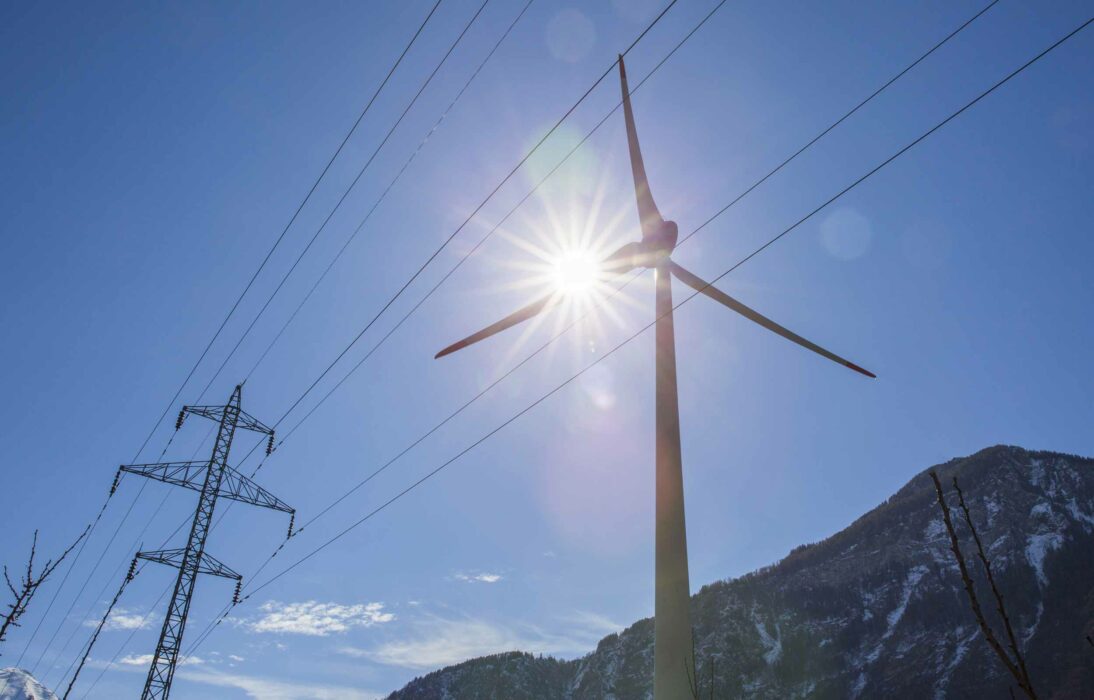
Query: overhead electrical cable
x,y
475,211
587,136
468,219
87,579
220,516
420,302
602,301
144,621
495,228
137,544
285,230
342,199
247,288
688,298
387,189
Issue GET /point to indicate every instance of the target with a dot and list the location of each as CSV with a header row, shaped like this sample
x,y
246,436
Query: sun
x,y
575,272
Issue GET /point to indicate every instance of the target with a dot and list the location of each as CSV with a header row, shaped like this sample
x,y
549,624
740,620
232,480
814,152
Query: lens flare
x,y
575,272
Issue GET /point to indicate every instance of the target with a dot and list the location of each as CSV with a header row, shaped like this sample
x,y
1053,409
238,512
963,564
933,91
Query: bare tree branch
x,y
970,591
986,564
29,583
11,587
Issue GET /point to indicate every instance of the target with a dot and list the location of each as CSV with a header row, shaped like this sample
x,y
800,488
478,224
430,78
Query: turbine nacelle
x,y
648,253
664,238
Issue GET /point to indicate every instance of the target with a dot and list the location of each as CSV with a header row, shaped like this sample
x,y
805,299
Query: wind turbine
x,y
674,665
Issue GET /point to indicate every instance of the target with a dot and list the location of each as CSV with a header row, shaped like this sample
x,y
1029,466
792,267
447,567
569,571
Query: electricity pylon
x,y
673,658
214,479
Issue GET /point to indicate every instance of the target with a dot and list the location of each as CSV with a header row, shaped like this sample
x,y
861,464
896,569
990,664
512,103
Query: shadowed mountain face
x,y
876,610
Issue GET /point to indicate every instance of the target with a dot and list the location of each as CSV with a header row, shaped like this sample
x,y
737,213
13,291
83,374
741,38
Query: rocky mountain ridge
x,y
876,610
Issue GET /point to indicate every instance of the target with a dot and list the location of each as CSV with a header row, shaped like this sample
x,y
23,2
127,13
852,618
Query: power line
x,y
421,301
132,551
474,212
285,230
79,593
588,135
451,105
247,288
738,198
462,225
342,199
839,121
688,298
494,229
391,184
87,579
128,639
64,578
735,200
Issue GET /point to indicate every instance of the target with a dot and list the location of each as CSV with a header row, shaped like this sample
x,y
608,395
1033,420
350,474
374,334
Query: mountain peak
x,y
19,684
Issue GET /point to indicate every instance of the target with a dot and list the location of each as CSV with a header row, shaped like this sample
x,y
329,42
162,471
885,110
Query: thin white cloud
x,y
258,688
482,577
123,619
593,622
435,642
316,619
267,689
235,658
146,659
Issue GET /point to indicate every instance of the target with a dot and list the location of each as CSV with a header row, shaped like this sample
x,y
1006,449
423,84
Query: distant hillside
x,y
17,684
875,611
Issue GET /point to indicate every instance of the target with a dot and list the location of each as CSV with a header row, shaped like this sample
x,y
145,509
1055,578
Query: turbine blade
x,y
512,319
648,214
623,260
752,315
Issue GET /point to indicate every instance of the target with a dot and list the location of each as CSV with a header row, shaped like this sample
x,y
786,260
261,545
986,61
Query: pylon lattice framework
x,y
213,478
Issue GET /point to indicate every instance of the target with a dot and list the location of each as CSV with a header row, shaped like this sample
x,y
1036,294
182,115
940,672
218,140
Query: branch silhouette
x,y
1016,666
27,585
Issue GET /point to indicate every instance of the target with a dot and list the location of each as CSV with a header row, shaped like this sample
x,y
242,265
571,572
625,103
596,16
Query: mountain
x,y
875,611
17,684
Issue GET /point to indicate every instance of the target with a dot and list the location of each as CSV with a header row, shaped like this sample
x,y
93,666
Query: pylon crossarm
x,y
239,488
249,422
171,557
212,565
188,474
214,413
208,564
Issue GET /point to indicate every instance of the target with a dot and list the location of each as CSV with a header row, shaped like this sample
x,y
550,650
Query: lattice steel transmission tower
x,y
214,479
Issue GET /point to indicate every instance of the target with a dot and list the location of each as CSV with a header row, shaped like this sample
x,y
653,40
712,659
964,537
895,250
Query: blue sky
x,y
153,153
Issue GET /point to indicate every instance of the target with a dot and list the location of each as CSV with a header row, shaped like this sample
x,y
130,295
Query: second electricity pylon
x,y
213,478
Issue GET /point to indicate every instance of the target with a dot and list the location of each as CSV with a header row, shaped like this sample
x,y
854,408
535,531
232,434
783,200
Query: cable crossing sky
x,y
311,553
223,323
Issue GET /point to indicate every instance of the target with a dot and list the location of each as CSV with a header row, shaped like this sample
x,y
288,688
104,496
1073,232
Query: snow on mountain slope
x,y
17,684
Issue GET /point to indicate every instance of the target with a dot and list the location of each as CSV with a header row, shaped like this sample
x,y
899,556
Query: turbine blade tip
x,y
860,370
